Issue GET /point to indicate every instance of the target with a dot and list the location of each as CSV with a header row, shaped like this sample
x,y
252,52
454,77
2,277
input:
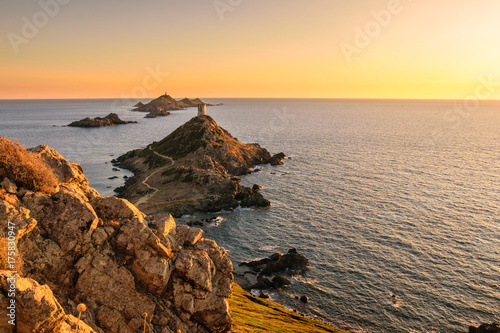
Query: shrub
x,y
25,168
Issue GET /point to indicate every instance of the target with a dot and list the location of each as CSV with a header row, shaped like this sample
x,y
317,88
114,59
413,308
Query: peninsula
x,y
195,168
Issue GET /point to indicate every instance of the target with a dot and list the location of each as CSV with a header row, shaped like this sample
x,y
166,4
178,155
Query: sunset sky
x,y
249,48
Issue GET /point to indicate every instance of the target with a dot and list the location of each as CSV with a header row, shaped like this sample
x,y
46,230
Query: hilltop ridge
x,y
195,168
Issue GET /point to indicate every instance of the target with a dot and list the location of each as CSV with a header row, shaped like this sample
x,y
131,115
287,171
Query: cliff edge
x,y
132,271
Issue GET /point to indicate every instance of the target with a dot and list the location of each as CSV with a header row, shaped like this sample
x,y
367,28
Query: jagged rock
x,y
280,281
101,251
110,120
277,263
70,174
485,328
277,159
37,310
113,208
304,299
187,236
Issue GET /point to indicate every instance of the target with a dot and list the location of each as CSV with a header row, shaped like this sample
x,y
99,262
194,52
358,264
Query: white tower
x,y
202,109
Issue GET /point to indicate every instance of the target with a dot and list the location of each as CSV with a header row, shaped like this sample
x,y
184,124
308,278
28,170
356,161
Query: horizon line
x,y
297,98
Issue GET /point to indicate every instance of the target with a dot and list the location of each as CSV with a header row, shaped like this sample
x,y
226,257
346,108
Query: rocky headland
x,y
87,263
194,169
110,120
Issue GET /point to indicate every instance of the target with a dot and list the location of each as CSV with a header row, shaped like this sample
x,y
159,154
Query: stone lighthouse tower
x,y
202,109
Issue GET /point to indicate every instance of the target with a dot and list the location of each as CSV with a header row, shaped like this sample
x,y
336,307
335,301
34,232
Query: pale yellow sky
x,y
243,48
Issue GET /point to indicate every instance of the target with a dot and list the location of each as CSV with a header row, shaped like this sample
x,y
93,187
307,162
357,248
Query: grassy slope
x,y
252,314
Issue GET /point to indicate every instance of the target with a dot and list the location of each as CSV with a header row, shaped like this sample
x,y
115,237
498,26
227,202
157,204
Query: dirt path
x,y
145,198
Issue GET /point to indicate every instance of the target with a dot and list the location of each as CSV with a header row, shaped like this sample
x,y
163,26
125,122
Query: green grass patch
x,y
252,314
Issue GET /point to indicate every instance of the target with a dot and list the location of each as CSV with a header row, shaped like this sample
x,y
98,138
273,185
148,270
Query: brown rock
x,y
69,173
187,236
9,186
113,208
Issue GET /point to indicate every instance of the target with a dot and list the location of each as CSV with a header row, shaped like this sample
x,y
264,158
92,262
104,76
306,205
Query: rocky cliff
x,y
110,120
133,272
195,168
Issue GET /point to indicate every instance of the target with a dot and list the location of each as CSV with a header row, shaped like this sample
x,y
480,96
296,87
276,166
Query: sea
x,y
394,202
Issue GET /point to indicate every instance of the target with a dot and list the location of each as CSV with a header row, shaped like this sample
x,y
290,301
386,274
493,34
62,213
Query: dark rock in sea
x,y
116,169
196,223
110,120
304,299
114,177
485,328
157,111
264,295
278,263
256,187
277,159
280,281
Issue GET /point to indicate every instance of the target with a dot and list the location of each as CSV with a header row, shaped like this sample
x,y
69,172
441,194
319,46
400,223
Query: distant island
x,y
160,106
195,168
110,120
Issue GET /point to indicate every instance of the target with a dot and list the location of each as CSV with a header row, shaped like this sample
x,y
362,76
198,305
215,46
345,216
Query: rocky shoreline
x,y
194,169
89,263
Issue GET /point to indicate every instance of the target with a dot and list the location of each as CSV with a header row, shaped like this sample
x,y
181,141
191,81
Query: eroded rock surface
x,y
79,247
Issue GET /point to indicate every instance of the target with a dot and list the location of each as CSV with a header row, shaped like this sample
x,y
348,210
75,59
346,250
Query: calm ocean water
x,y
384,197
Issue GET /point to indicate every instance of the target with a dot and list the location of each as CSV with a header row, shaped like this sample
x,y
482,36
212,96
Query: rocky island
x,y
87,263
194,169
167,103
110,120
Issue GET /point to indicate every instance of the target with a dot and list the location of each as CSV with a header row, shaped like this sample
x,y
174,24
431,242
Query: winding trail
x,y
145,198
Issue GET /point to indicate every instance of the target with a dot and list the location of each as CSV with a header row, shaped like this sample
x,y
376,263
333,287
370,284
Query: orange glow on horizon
x,y
422,50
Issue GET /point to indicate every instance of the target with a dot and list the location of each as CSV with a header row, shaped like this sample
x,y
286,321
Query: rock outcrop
x,y
79,247
485,328
110,120
195,168
277,264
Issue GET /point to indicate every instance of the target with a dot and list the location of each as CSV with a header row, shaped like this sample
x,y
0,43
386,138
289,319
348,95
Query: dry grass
x,y
25,168
252,314
6,251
